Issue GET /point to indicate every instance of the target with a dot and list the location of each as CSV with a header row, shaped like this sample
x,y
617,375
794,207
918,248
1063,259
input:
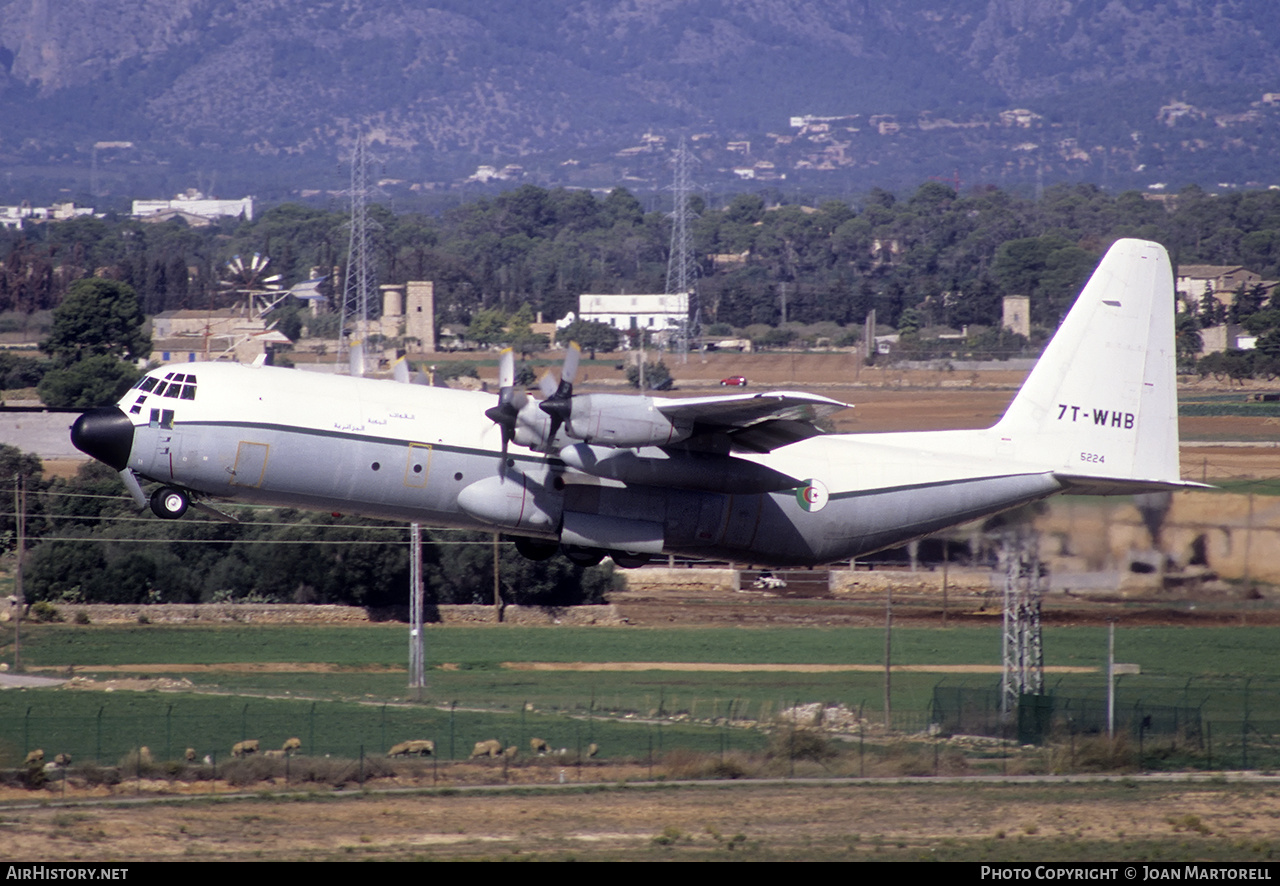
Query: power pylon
x,y
359,281
1023,645
682,264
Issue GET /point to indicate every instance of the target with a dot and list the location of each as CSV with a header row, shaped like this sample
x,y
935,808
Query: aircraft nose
x,y
106,433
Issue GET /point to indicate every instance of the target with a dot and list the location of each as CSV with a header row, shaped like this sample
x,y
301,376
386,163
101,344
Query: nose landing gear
x,y
169,503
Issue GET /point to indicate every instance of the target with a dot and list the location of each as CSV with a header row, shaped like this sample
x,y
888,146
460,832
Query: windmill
x,y
257,293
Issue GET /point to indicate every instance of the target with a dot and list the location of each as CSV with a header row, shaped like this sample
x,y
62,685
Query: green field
x,y
364,704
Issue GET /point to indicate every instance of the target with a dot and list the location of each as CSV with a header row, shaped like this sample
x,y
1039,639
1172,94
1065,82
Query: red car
x,y
736,381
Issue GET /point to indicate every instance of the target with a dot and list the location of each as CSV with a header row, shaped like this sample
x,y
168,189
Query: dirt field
x,y
1131,820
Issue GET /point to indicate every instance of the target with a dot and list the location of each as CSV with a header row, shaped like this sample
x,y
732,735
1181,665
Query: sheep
x,y
593,749
490,748
539,746
61,761
423,747
144,754
273,754
244,748
190,755
510,753
36,756
291,744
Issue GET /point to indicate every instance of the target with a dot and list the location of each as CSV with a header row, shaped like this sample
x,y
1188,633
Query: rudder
x,y
1102,400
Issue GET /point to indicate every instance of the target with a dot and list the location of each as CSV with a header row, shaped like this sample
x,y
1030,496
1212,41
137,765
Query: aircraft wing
x,y
758,422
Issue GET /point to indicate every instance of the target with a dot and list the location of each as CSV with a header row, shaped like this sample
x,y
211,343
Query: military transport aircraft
x,y
740,477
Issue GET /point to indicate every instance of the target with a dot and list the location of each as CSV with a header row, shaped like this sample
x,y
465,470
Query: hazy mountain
x,y
443,86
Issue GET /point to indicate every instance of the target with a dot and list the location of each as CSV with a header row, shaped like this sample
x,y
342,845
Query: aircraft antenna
x,y
1024,587
354,330
682,264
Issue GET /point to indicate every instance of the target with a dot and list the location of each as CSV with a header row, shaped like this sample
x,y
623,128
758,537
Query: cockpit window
x,y
148,383
178,385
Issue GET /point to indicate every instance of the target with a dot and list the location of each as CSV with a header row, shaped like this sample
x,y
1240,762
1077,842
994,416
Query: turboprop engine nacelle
x,y
514,502
532,427
622,420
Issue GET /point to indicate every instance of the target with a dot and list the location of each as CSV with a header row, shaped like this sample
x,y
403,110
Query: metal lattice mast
x,y
682,264
359,277
1023,645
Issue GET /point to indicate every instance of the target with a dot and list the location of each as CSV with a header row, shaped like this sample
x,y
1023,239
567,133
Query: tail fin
x,y
1100,408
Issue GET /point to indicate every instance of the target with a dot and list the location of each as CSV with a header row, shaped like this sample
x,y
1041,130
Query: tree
x,y
96,329
97,317
591,336
95,381
488,327
1187,339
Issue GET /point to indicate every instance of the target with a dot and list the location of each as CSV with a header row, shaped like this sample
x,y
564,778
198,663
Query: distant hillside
x,y
445,86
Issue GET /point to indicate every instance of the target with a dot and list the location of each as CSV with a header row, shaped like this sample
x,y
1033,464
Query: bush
x,y
801,744
45,612
686,764
657,377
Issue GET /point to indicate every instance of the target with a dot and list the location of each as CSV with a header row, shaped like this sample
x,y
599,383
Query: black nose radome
x,y
106,433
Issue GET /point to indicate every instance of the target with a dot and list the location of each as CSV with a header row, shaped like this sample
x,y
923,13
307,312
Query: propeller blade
x,y
571,359
506,370
505,413
355,359
559,405
400,370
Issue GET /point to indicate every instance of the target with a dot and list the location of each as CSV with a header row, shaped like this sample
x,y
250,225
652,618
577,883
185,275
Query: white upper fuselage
x,y
264,397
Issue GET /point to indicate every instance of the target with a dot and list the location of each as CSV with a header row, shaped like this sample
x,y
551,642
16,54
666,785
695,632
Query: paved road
x,y
22,681
47,434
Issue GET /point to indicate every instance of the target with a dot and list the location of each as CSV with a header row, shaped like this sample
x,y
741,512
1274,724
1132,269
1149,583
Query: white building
x,y
14,217
194,202
658,314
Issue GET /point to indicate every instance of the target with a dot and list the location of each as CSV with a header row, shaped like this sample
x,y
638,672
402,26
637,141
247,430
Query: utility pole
x,y
417,640
497,596
888,636
20,510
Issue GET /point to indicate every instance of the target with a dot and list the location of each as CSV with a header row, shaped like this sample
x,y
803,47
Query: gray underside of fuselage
x,y
409,481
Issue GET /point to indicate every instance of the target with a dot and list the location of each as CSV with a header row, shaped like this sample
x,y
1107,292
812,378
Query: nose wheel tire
x,y
169,503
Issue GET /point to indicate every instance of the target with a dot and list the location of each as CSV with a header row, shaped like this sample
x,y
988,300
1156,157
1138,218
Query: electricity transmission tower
x,y
359,281
1023,646
682,264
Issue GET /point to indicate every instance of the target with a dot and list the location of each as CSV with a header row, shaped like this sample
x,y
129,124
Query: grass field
x,y
275,682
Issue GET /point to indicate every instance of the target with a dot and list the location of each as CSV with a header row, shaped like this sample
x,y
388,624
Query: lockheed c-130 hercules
x,y
739,477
